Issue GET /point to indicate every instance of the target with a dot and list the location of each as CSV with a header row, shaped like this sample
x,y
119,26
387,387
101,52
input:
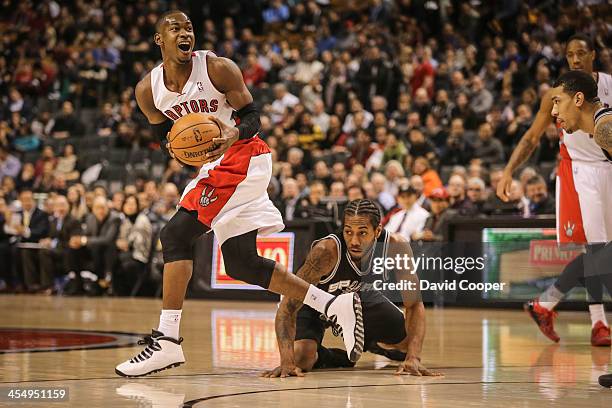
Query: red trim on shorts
x,y
223,179
571,227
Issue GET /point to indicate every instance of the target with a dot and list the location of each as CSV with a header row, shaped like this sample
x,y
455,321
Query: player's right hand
x,y
284,371
503,187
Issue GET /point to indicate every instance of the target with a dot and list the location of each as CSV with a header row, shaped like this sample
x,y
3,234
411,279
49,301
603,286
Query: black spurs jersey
x,y
347,276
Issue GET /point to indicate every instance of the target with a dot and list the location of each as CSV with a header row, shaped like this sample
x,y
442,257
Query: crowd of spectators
x,y
414,104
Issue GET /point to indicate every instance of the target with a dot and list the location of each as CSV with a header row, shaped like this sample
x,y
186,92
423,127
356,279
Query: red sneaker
x,y
600,335
544,318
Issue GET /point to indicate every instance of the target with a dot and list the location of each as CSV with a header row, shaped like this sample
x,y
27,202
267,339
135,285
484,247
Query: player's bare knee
x,y
305,354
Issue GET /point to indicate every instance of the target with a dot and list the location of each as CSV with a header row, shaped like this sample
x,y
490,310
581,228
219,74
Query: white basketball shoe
x,y
345,311
160,353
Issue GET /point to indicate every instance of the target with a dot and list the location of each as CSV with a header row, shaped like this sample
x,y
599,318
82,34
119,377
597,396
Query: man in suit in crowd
x,y
95,249
54,249
28,226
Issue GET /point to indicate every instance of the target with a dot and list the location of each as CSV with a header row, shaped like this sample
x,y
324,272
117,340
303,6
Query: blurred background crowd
x,y
415,104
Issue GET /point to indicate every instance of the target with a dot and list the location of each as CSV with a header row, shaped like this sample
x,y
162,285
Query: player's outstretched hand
x,y
229,134
503,187
413,366
284,371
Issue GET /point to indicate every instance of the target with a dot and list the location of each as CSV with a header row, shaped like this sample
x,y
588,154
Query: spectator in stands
x,y
166,206
539,200
487,148
520,124
438,218
379,194
410,219
66,164
176,175
549,145
416,182
421,147
481,99
76,200
430,177
133,245
9,164
67,124
107,121
458,200
355,193
6,252
337,190
458,150
394,149
54,248
283,101
321,173
29,226
277,12
289,199
476,194
8,189
311,207
47,156
95,250
254,75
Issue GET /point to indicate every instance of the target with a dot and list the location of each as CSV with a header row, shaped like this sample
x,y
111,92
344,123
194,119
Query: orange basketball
x,y
191,138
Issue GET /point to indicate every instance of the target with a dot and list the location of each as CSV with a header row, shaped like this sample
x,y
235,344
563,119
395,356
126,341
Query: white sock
x,y
597,314
169,322
550,298
317,298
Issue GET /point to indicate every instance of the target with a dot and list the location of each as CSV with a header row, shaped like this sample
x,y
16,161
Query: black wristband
x,y
249,121
160,130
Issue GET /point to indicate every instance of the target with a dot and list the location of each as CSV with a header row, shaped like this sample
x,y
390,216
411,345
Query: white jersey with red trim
x,y
198,95
579,145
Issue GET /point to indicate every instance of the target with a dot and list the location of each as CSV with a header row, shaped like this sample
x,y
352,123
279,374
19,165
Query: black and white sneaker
x,y
160,353
345,311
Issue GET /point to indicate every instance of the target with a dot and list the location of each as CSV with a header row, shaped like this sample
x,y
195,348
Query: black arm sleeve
x,y
249,121
160,130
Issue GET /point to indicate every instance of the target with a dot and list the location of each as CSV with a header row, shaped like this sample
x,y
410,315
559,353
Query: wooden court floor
x,y
490,358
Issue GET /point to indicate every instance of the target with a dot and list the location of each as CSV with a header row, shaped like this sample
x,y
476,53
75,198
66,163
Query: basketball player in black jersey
x,y
576,106
343,264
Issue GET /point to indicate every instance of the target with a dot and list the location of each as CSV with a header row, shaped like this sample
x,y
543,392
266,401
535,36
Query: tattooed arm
x,y
603,134
319,262
526,146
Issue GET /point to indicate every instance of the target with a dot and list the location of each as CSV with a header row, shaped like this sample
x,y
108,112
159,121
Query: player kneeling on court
x,y
343,264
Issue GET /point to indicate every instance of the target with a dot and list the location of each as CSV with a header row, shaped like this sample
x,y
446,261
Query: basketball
x,y
191,138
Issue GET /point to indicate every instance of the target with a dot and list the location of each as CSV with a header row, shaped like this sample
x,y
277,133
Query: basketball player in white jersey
x,y
228,196
583,207
576,106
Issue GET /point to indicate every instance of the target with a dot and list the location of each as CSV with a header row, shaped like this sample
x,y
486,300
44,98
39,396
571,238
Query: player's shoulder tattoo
x,y
603,134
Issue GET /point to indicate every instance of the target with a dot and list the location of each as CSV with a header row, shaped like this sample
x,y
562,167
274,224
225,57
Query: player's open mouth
x,y
184,46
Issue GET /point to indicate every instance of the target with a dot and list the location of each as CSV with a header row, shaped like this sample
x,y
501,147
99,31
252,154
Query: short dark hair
x,y
537,179
578,81
163,17
582,37
366,208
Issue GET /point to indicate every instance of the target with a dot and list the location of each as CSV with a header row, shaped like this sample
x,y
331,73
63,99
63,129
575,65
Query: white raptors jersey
x,y
198,94
580,146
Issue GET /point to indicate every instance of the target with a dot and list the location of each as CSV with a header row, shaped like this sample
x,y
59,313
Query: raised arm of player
x,y
526,146
319,262
227,78
414,316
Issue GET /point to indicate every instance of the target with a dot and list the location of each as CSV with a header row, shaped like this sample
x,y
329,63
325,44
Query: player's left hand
x,y
229,135
413,366
283,371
